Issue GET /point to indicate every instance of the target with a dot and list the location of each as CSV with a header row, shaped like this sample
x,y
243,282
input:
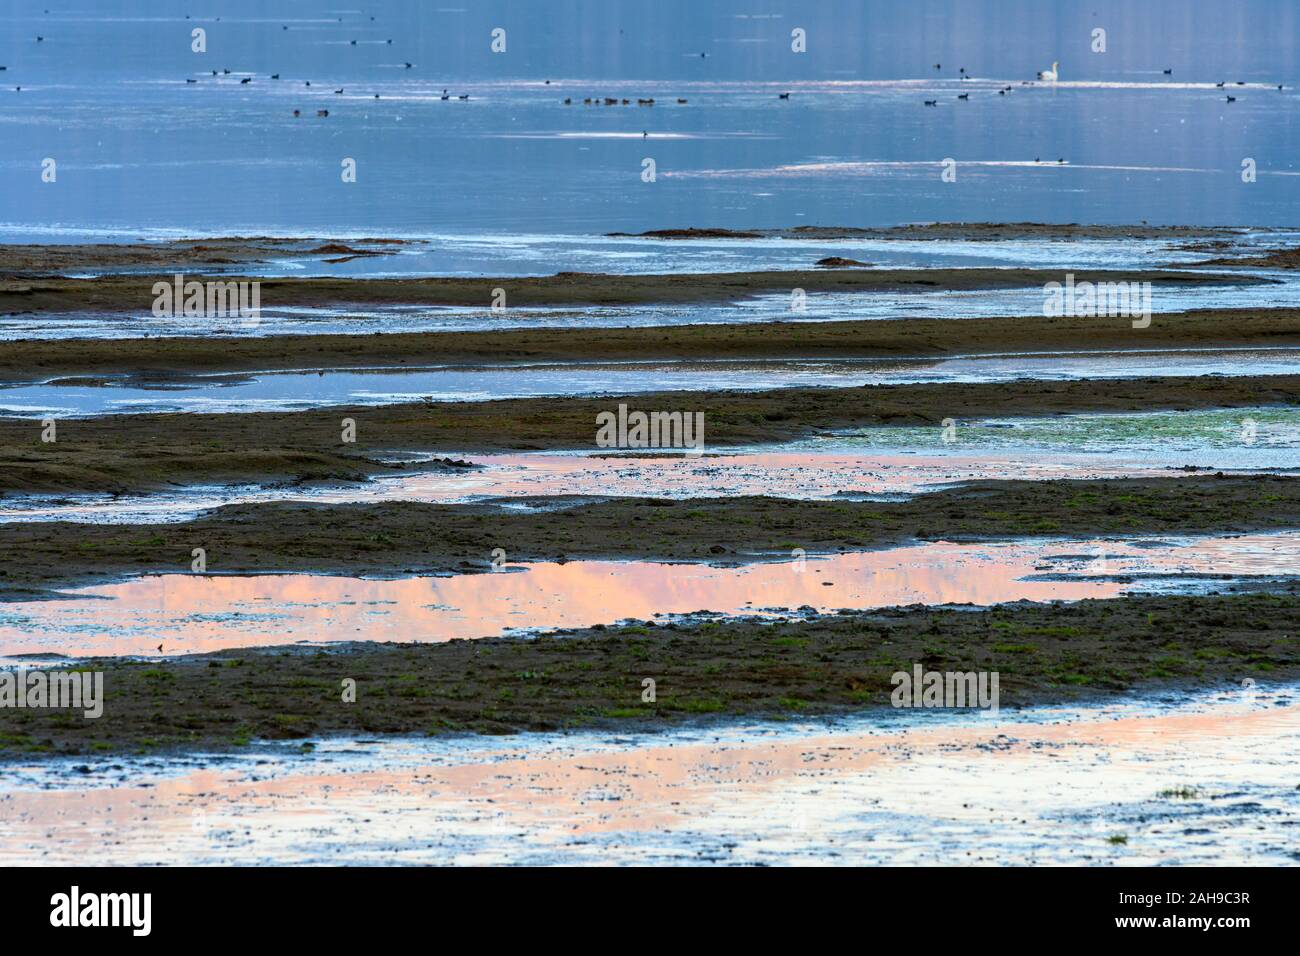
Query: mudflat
x,y
404,538
39,360
134,293
151,452
962,231
831,664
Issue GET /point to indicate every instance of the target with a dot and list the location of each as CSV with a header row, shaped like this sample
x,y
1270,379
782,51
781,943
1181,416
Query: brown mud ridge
x,y
1269,259
43,260
591,678
969,231
42,359
134,293
120,454
404,538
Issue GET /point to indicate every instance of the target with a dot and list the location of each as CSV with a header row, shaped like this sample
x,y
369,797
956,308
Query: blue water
x,y
140,151
287,391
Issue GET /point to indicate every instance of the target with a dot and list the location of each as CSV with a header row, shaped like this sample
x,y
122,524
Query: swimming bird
x,y
931,102
938,66
407,65
1232,99
463,96
446,97
963,96
275,76
322,112
354,42
1050,76
191,81
568,101
297,112
783,96
1169,72
682,100
247,79
1002,92
1219,84
40,39
3,68
338,91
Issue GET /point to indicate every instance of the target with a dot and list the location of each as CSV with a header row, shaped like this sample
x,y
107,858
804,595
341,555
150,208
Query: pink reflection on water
x,y
782,475
189,614
1010,791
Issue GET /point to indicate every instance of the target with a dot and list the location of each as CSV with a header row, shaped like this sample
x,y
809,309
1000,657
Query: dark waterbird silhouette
x,y
783,96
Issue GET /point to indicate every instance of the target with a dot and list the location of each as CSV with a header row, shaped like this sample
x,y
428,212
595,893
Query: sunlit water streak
x,y
883,461
187,613
288,391
1175,778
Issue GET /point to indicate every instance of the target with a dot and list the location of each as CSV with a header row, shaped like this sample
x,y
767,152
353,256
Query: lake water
x,y
140,151
187,614
1199,779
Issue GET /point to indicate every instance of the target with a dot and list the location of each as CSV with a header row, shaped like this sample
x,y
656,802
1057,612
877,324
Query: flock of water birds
x,y
1052,75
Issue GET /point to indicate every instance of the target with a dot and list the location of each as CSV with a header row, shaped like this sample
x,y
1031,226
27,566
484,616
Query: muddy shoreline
x,y
409,538
119,454
960,231
188,254
40,359
112,294
592,678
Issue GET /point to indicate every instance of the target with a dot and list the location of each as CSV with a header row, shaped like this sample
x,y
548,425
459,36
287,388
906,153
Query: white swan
x,y
1051,75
